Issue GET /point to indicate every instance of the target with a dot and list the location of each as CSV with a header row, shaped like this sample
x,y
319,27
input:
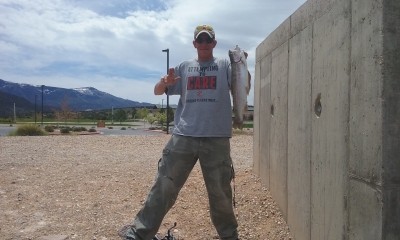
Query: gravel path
x,y
87,187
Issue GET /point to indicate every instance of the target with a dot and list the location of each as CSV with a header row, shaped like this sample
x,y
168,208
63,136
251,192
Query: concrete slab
x,y
265,120
256,120
391,92
309,12
299,133
274,40
391,120
365,211
330,95
365,99
278,137
391,213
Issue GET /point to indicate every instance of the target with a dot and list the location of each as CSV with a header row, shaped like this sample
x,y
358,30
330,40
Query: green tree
x,y
151,119
120,115
142,113
134,113
161,118
101,115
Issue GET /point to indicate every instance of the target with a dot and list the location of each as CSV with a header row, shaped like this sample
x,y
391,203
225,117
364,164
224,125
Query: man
x,y
202,131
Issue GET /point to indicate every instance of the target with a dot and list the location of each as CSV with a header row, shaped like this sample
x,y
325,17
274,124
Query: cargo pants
x,y
179,157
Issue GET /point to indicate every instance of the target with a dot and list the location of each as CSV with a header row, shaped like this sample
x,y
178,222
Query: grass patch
x,y
244,131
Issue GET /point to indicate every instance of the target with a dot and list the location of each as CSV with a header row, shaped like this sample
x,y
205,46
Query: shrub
x,y
92,130
65,130
28,130
79,129
49,128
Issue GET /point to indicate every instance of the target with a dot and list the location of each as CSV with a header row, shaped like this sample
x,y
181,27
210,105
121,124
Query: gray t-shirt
x,y
204,108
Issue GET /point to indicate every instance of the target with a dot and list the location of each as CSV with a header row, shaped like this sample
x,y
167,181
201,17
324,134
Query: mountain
x,y
7,102
77,99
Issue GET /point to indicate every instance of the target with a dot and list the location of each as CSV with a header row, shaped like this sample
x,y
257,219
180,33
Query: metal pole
x,y
15,115
167,51
42,104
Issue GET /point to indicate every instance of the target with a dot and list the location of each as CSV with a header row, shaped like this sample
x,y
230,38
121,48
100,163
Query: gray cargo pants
x,y
179,157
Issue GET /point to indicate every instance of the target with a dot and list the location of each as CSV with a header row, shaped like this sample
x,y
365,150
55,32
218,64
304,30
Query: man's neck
x,y
205,59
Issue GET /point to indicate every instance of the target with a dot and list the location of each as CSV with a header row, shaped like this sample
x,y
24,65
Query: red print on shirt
x,y
201,82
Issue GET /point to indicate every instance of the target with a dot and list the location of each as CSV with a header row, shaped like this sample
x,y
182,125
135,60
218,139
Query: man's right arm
x,y
168,80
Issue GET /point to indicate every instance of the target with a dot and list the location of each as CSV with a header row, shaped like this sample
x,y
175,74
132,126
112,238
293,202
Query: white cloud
x,y
115,46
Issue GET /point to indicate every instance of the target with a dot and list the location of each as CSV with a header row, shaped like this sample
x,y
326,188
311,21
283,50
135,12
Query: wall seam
x,y
270,115
347,177
287,121
311,127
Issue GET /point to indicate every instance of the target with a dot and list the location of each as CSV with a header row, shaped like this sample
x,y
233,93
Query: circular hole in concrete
x,y
272,110
318,106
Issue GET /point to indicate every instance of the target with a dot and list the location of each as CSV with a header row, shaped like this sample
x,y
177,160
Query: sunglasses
x,y
207,40
204,27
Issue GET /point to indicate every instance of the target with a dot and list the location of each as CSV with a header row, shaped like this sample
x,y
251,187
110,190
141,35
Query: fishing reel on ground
x,y
169,235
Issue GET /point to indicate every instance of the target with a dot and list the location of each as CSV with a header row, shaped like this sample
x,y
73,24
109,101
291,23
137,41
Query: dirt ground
x,y
88,187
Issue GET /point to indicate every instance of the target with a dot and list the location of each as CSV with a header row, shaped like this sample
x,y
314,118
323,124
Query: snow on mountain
x,y
84,90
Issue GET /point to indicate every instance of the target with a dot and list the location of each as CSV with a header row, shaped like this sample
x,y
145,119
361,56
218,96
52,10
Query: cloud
x,y
80,43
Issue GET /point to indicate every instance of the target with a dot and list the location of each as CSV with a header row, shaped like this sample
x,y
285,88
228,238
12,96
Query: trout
x,y
240,87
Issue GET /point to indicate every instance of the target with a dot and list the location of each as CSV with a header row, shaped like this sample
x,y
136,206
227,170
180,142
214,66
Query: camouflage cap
x,y
204,29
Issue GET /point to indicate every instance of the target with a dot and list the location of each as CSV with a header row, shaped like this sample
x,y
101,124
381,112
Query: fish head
x,y
236,54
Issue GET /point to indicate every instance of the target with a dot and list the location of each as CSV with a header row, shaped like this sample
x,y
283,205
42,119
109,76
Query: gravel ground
x,y
87,187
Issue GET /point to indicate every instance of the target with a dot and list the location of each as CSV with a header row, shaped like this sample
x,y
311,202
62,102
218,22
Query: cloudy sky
x,y
116,46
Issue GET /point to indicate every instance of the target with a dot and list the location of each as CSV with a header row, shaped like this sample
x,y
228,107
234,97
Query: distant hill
x,y
7,102
77,99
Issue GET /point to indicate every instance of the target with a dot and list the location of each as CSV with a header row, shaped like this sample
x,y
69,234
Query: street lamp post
x,y
167,51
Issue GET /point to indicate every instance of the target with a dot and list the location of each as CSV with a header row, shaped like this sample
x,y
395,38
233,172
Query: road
x,y
5,129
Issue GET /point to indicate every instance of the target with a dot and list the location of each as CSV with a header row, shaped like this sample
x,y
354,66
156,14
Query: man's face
x,y
204,45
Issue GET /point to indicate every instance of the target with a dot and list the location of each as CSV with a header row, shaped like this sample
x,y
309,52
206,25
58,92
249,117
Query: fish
x,y
240,84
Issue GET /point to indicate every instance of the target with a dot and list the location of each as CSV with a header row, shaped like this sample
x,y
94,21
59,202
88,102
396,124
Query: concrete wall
x,y
327,119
